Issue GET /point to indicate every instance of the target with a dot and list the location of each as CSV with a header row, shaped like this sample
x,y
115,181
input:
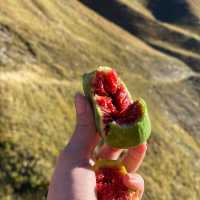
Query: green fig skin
x,y
131,135
118,136
87,78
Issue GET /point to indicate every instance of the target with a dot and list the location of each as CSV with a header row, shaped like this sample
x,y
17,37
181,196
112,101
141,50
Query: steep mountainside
x,y
45,47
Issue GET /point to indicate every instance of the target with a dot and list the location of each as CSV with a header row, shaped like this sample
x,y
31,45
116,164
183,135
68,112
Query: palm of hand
x,y
73,178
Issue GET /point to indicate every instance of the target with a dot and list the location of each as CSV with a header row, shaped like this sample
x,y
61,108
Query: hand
x,y
73,178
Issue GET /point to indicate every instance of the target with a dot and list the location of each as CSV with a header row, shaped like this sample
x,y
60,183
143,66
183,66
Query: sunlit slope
x,y
171,37
45,47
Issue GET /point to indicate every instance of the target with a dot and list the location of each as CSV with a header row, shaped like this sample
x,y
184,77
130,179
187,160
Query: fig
x,y
109,181
122,122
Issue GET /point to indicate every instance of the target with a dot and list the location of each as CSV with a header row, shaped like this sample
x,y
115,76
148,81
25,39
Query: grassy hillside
x,y
45,47
178,41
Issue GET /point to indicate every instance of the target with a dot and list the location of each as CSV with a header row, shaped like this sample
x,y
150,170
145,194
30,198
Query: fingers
x,y
85,137
136,183
134,157
109,153
132,160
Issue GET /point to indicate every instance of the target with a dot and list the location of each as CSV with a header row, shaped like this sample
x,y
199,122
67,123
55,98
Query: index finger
x,y
134,157
109,153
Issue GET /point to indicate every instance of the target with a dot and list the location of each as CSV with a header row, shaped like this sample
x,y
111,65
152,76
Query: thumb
x,y
85,136
84,113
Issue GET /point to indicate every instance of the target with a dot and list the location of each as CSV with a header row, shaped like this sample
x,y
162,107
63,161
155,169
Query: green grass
x,y
48,45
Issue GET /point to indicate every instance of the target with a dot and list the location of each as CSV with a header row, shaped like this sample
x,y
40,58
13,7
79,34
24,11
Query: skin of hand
x,y
73,178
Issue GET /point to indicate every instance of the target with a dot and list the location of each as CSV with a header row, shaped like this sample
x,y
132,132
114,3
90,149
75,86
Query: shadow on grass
x,y
116,12
172,11
144,28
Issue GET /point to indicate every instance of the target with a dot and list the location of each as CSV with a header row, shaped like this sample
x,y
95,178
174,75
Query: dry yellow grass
x,y
47,46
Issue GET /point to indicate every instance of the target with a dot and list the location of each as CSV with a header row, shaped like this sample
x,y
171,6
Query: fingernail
x,y
80,104
135,179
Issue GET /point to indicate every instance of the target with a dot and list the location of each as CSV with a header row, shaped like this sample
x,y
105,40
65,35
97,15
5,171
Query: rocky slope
x,y
45,47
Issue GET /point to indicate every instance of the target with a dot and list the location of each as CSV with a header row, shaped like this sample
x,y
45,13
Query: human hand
x,y
73,178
